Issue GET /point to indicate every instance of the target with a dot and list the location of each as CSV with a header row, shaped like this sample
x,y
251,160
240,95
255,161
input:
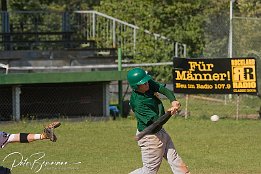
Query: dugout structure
x,y
48,95
48,69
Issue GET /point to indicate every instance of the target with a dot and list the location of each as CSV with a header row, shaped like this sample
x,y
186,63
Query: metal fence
x,y
112,32
40,101
107,31
203,106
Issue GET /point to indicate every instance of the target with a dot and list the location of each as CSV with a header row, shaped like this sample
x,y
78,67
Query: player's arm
x,y
24,137
158,87
48,133
175,105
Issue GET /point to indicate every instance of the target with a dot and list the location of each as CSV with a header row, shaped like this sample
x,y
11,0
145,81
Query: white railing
x,y
106,30
113,32
6,67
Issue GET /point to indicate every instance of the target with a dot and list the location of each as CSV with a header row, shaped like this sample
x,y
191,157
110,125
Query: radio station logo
x,y
243,75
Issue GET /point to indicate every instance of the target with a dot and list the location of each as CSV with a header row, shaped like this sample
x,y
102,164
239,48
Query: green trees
x,y
178,20
203,25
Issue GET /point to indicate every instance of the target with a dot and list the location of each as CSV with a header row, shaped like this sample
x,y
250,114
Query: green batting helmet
x,y
137,76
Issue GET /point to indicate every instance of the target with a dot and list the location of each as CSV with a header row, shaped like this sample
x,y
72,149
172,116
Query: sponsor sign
x,y
214,76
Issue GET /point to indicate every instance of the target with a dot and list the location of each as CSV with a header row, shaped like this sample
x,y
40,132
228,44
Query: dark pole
x,y
3,5
120,82
5,23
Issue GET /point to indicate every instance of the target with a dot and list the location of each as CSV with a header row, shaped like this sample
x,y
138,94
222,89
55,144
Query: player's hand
x,y
172,110
176,105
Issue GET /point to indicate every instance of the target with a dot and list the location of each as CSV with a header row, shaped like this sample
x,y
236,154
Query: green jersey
x,y
147,107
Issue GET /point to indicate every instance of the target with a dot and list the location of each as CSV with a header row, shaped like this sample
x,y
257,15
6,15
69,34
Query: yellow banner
x,y
219,75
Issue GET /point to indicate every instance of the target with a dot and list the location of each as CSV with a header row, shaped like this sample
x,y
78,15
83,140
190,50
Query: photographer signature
x,y
35,162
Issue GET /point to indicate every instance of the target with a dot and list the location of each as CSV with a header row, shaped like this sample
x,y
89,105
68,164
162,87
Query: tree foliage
x,y
203,25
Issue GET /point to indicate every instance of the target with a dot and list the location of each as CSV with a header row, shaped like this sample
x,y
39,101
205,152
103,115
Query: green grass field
x,y
107,147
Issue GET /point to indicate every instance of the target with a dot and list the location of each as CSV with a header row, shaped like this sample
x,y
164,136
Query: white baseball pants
x,y
154,148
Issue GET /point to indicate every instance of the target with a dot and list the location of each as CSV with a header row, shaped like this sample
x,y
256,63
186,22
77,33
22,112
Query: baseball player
x,y
48,133
147,108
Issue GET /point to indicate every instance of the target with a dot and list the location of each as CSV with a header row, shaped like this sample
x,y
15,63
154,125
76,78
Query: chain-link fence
x,y
203,105
246,42
65,100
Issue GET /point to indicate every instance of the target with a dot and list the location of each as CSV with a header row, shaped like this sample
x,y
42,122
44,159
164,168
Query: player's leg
x,y
174,160
152,151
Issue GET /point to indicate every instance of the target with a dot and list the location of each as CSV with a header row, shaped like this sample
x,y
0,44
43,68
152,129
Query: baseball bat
x,y
148,130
